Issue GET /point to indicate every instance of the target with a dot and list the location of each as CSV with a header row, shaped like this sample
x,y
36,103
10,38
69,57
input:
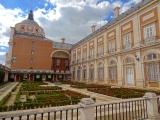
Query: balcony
x,y
111,51
74,61
91,57
149,41
79,60
127,46
100,54
84,59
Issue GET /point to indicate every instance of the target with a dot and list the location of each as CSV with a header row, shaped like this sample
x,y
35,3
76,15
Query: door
x,y
129,76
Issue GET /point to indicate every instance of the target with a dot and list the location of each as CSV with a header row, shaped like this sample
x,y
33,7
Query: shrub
x,y
5,108
10,108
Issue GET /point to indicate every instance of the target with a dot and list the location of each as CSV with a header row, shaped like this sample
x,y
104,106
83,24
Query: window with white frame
x,y
127,41
111,46
100,71
58,61
100,50
128,60
153,71
84,54
91,54
112,70
79,56
149,34
78,74
31,60
91,72
32,51
152,56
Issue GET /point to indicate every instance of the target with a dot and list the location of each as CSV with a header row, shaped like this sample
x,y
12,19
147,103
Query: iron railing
x,y
111,51
65,114
149,40
91,57
127,46
83,59
135,109
100,54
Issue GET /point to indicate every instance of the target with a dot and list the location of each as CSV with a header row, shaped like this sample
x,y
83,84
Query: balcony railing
x,y
84,59
127,46
110,51
100,54
91,57
149,40
79,60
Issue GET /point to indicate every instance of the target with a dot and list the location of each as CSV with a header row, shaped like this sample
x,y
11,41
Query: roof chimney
x,y
63,40
116,11
93,28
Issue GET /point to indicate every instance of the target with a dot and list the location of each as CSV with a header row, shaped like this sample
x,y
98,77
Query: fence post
x,y
152,106
87,112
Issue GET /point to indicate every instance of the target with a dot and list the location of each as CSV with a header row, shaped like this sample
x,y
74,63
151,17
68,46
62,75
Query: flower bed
x,y
83,85
41,97
123,93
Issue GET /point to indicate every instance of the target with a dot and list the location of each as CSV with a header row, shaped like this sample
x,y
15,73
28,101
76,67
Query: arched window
x,y
91,72
100,71
84,72
73,73
79,72
32,51
112,69
151,56
128,60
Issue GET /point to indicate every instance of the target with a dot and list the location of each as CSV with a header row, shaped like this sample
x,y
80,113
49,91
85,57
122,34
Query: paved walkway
x,y
8,88
12,98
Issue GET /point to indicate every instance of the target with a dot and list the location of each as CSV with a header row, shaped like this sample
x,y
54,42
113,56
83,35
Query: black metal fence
x,y
128,110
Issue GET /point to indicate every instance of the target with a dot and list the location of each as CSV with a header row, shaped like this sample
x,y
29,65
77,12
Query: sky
x,y
69,19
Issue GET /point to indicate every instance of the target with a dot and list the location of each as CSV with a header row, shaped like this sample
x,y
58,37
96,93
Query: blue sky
x,y
69,19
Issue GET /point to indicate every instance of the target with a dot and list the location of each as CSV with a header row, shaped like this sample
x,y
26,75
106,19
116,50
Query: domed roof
x,y
28,21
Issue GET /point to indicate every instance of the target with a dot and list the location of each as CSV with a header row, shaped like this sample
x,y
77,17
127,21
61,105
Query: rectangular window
x,y
84,54
127,41
91,52
78,74
100,50
111,46
91,74
37,76
84,74
58,61
149,34
66,62
49,76
112,73
79,56
100,73
152,72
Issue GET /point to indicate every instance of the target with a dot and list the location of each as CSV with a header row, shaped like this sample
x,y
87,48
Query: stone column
x,y
87,112
152,106
105,70
95,72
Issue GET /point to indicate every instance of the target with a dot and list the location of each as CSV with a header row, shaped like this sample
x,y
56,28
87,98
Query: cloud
x,y
2,57
3,48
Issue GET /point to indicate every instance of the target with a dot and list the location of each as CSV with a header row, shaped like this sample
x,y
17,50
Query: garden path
x,y
10,101
100,98
6,89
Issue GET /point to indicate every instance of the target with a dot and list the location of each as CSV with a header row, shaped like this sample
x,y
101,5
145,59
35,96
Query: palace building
x,y
32,56
123,52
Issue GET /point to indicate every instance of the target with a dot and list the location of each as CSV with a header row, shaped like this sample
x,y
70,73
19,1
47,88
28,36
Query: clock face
x,y
30,27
